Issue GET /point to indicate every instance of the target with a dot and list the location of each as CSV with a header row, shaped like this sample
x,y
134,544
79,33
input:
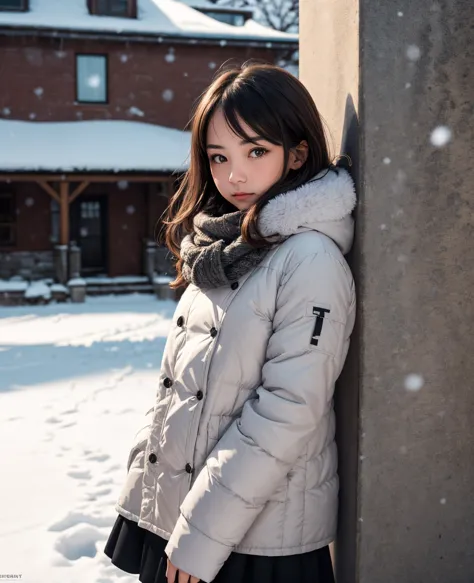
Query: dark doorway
x,y
89,230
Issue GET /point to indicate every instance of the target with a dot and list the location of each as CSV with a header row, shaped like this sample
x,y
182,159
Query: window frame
x,y
87,102
12,222
25,6
213,11
131,9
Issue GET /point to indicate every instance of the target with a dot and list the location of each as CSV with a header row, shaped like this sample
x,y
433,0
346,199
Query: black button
x,y
189,469
199,395
213,332
180,321
235,285
167,382
152,458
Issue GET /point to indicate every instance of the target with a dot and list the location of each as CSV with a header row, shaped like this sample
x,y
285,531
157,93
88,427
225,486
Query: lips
x,y
242,194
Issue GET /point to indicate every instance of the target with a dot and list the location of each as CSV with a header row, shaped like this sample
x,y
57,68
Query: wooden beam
x,y
32,177
64,209
77,191
50,190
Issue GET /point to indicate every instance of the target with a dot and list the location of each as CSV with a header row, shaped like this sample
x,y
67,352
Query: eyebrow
x,y
252,140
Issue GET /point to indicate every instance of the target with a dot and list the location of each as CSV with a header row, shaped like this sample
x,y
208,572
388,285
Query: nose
x,y
237,176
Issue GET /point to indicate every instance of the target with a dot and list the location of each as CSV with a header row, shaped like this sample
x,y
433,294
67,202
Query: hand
x,y
183,577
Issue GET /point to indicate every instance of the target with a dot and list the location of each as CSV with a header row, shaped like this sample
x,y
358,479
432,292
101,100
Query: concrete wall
x,y
407,510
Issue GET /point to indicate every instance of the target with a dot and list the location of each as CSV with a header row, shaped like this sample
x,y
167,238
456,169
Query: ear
x,y
298,156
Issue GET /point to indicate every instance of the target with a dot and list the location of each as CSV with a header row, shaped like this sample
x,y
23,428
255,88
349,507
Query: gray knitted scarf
x,y
214,254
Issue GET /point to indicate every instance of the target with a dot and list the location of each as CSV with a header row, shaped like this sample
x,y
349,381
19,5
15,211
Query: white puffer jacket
x,y
238,453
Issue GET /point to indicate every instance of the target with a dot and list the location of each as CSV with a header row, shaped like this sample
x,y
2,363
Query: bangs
x,y
241,103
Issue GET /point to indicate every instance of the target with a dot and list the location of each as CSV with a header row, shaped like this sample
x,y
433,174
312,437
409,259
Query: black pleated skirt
x,y
136,550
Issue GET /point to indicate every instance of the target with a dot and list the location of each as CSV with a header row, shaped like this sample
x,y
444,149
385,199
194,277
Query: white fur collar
x,y
323,204
330,196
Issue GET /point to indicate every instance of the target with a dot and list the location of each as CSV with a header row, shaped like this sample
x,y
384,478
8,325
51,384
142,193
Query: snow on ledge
x,y
121,279
161,17
87,146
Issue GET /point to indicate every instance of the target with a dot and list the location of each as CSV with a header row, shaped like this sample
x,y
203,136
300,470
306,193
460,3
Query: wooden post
x,y
64,209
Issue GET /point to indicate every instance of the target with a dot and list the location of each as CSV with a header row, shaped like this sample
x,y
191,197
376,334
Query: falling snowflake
x,y
130,209
61,54
403,449
383,227
84,232
268,45
32,116
79,114
413,52
124,227
386,160
170,56
400,14
407,85
94,81
39,92
135,111
402,259
442,501
212,65
185,74
223,43
440,136
29,201
122,184
124,58
414,382
6,111
168,95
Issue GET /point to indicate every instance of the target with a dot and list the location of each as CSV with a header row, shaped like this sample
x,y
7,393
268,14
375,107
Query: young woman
x,y
234,477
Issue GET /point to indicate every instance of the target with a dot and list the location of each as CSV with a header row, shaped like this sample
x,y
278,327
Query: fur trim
x,y
328,198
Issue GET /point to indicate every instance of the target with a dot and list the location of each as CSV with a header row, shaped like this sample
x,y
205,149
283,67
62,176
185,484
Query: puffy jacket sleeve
x,y
312,322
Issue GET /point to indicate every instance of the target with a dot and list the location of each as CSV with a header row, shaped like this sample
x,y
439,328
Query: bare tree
x,y
278,14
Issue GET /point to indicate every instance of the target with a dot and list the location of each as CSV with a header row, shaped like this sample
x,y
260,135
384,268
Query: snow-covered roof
x,y
155,17
91,146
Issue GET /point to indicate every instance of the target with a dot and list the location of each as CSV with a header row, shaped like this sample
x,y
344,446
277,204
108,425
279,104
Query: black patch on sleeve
x,y
320,313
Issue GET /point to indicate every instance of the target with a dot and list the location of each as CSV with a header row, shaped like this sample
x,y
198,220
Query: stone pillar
x,y
60,264
394,84
74,261
149,252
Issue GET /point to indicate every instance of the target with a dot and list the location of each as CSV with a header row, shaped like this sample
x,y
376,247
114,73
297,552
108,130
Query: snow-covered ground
x,y
75,383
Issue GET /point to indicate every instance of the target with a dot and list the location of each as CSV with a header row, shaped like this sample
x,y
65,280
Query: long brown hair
x,y
279,109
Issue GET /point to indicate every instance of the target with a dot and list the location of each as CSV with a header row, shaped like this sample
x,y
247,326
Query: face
x,y
243,171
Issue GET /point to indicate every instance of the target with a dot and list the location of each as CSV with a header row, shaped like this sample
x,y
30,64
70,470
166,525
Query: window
x,y
18,5
123,8
235,19
7,218
91,78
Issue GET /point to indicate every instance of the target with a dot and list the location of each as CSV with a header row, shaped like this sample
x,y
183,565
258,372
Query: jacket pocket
x,y
141,438
217,426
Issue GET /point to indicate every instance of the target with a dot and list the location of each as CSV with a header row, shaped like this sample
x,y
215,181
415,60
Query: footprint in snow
x,y
98,457
80,474
79,541
75,518
94,494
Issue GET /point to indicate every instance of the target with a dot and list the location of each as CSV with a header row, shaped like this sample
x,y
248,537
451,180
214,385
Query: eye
x,y
259,152
218,158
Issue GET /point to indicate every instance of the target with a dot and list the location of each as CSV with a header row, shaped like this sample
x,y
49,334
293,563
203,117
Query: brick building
x,y
94,99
